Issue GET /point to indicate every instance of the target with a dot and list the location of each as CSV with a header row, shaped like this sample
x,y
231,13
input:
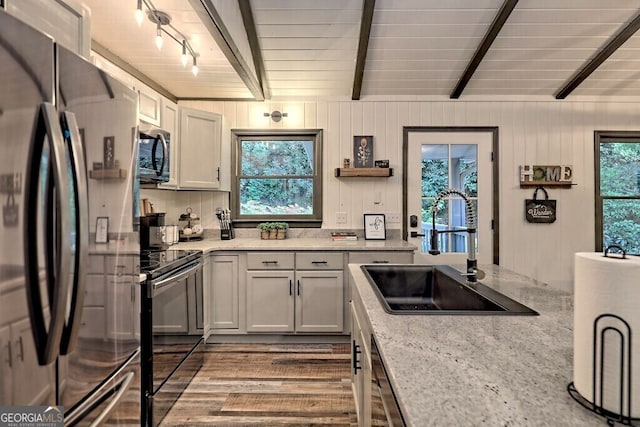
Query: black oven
x,y
171,328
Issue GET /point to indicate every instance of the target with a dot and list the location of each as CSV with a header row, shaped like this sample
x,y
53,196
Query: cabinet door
x,y
120,307
223,285
67,21
149,106
33,384
200,133
320,301
270,301
169,121
6,364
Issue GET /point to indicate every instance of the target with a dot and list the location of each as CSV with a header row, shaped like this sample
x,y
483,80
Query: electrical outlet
x,y
393,218
341,217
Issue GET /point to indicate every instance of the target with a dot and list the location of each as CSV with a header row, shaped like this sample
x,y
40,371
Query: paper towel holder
x,y
619,248
624,416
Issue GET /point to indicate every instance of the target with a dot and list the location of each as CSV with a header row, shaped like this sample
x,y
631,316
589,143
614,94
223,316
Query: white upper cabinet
x,y
199,158
149,106
67,21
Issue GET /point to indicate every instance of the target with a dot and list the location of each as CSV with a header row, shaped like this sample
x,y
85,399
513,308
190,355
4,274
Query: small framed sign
x,y
363,151
102,229
374,227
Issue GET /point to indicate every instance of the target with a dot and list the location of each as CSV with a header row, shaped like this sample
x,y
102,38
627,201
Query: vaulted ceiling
x,y
359,49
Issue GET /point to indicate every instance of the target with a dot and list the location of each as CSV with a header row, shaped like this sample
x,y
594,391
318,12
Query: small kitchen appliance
x,y
153,232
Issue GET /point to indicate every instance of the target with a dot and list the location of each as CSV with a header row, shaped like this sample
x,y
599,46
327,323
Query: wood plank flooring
x,y
268,385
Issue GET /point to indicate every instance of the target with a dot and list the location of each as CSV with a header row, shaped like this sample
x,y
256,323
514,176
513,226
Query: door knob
x,y
416,234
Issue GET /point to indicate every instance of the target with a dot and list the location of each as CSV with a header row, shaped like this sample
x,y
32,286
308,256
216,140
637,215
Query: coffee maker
x,y
153,232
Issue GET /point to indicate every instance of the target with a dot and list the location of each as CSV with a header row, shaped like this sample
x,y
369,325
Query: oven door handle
x,y
164,284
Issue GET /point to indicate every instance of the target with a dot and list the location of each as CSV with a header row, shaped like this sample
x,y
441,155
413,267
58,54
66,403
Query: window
x,y
617,158
278,177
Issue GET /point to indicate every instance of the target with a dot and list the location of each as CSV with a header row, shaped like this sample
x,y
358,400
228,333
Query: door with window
x,y
440,160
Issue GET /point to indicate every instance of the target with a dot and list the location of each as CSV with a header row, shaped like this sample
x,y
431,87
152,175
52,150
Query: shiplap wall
x,y
531,132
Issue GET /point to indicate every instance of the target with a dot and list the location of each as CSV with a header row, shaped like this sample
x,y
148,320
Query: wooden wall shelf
x,y
364,172
108,174
548,184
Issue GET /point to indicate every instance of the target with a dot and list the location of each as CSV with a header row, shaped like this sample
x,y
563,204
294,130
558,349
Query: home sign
x,y
547,175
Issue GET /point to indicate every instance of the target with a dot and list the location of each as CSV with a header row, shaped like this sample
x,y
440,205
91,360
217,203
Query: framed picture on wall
x,y
102,229
374,227
363,151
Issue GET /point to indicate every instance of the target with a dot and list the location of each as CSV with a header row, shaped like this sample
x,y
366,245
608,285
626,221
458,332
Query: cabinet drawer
x,y
319,261
270,261
381,257
122,264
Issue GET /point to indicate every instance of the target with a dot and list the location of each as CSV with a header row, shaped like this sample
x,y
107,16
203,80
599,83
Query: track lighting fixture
x,y
163,25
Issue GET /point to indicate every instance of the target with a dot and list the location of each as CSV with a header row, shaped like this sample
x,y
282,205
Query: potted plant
x,y
273,231
264,230
282,230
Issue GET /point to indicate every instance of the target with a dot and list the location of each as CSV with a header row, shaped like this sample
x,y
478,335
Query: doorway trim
x,y
495,193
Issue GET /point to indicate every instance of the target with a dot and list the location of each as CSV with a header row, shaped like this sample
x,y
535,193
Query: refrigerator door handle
x,y
47,342
77,157
159,138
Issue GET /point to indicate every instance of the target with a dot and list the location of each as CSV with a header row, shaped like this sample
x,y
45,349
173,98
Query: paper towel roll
x,y
607,285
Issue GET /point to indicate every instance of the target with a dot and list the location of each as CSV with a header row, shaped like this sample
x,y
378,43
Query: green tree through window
x,y
618,193
278,176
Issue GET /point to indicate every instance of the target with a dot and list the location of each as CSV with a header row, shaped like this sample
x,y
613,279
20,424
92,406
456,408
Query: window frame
x,y
295,221
599,138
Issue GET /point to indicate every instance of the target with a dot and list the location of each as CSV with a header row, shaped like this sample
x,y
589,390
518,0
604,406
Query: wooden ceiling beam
x,y
254,44
368,7
604,53
483,48
213,22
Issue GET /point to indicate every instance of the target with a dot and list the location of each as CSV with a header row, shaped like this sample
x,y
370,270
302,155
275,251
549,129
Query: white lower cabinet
x,y
270,301
299,292
319,301
23,381
361,376
223,292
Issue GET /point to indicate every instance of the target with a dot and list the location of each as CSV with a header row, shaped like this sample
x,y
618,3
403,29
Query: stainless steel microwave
x,y
154,156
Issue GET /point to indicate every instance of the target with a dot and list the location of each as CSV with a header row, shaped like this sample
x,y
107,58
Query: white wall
x,y
531,132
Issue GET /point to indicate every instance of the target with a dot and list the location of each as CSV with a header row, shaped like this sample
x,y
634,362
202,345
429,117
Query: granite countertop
x,y
294,244
482,370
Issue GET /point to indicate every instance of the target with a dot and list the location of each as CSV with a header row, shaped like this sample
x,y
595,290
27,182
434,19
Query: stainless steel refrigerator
x,y
69,252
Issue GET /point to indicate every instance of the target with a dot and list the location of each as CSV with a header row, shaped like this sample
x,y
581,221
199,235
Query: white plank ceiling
x,y
416,48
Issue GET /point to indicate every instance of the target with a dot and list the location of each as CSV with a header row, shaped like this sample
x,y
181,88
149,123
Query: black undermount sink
x,y
436,289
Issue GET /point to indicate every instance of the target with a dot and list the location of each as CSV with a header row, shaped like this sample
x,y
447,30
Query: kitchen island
x,y
473,370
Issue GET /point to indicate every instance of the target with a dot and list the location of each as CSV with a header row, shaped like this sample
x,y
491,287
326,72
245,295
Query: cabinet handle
x,y
290,287
356,360
319,262
381,261
218,173
9,358
298,287
21,349
270,262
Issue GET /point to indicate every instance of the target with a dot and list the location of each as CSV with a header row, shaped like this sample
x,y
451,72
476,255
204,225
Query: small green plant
x,y
264,226
281,225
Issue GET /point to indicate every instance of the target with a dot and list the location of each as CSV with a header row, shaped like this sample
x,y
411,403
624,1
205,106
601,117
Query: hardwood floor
x,y
269,385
